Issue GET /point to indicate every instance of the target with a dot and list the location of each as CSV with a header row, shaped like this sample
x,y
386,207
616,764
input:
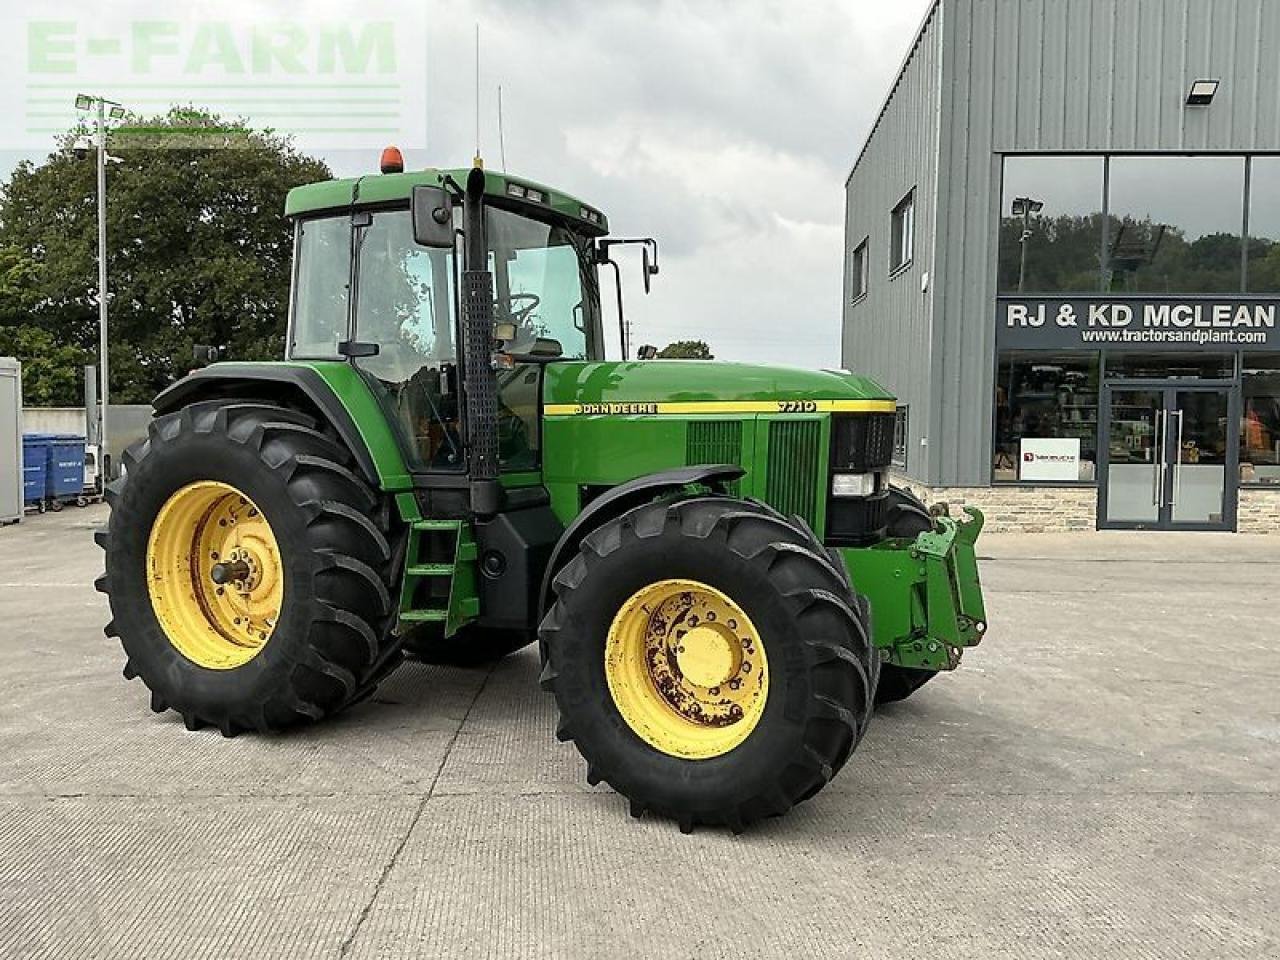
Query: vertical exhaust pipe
x,y
480,384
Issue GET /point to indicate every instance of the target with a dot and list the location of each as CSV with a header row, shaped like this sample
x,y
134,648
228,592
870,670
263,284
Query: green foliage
x,y
52,372
686,350
1064,254
198,252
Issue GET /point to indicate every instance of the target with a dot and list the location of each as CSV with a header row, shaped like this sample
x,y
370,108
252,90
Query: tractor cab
x,y
371,287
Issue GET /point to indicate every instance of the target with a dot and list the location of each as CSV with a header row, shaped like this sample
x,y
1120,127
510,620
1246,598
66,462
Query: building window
x,y
900,438
1264,225
1260,419
1046,397
1175,224
858,272
1051,224
902,233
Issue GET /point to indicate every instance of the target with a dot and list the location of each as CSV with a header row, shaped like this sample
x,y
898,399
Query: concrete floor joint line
x,y
350,940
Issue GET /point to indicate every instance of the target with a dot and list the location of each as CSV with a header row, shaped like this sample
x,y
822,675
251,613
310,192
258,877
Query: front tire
x,y
248,569
721,719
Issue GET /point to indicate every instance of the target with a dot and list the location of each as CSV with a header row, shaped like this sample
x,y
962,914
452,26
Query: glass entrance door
x,y
1168,459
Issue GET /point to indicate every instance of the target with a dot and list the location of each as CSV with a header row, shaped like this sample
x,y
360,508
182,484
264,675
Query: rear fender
x,y
340,398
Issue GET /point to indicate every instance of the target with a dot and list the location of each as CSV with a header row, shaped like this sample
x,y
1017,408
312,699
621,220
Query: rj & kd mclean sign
x,y
1148,323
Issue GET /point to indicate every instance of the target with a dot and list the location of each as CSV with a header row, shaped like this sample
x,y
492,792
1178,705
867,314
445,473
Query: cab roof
x,y
378,188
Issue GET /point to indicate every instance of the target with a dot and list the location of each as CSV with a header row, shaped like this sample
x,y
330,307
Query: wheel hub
x,y
215,575
686,668
708,656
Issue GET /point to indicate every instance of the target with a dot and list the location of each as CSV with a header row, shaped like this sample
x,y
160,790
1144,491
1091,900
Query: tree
x,y
199,251
686,350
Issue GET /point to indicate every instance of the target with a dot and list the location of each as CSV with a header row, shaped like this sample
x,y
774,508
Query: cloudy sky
x,y
725,130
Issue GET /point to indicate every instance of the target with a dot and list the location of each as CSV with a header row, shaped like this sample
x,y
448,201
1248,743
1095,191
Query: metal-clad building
x,y
1036,156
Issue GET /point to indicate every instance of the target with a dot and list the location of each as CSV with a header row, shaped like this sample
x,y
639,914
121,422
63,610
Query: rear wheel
x,y
248,568
908,518
709,661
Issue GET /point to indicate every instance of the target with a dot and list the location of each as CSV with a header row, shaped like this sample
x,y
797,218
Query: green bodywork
x,y
925,593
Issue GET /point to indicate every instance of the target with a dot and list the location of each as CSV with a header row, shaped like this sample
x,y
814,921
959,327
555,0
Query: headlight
x,y
853,484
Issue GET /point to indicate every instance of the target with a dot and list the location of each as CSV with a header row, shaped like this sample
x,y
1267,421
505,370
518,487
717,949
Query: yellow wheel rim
x,y
686,669
214,574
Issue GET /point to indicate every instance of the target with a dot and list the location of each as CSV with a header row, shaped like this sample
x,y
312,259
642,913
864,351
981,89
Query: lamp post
x,y
100,106
1024,207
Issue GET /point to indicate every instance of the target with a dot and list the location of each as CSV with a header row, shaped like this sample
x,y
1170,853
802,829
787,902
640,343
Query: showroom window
x,y
1046,428
1051,224
902,232
1175,224
1260,419
858,272
900,434
1264,225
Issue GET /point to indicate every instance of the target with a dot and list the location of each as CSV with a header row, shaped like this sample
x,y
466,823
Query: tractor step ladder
x,y
442,555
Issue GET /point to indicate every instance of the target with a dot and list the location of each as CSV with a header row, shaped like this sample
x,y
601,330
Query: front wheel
x,y
709,661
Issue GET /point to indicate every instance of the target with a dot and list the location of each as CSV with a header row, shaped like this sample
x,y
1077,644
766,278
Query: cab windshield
x,y
361,277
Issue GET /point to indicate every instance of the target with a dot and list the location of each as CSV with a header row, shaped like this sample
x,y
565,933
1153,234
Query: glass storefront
x,y
1166,435
1139,224
1260,419
1264,225
1051,224
1043,397
1175,224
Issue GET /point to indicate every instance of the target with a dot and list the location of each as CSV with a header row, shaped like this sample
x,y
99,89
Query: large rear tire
x,y
709,661
248,568
908,518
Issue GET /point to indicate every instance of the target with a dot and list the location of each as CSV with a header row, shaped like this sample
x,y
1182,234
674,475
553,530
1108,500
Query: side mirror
x,y
650,267
433,217
648,351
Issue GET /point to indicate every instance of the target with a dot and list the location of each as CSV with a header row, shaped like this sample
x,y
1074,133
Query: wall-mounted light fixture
x,y
1201,93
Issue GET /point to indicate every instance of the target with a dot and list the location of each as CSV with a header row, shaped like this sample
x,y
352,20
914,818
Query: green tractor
x,y
721,581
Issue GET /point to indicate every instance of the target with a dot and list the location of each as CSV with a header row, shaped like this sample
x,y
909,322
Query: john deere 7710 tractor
x,y
720,579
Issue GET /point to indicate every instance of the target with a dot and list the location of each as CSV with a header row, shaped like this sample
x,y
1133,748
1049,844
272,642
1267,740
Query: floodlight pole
x,y
104,459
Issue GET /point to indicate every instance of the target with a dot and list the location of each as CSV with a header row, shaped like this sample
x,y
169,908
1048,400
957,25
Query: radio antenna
x,y
478,161
502,143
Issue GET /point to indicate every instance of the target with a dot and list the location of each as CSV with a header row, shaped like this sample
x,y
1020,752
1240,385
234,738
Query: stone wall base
x,y
1258,510
1013,509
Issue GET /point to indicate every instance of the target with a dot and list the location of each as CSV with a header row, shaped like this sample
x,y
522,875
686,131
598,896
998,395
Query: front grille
x,y
795,457
715,441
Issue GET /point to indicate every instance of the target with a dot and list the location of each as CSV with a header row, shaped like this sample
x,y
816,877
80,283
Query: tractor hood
x,y
705,386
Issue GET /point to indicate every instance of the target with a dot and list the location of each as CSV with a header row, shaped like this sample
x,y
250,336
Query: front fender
x,y
618,500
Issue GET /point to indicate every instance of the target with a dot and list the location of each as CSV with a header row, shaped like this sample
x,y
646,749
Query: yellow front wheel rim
x,y
215,575
686,669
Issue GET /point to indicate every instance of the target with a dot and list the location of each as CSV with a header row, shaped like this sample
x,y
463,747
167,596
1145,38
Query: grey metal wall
x,y
886,333
1044,76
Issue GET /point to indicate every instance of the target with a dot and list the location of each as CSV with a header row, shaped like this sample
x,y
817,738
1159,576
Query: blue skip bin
x,y
65,477
35,467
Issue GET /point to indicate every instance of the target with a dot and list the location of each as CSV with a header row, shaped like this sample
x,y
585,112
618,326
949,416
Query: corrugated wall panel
x,y
1039,76
886,334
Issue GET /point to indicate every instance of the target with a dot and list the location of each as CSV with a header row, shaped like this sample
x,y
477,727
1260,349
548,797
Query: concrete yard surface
x,y
1099,779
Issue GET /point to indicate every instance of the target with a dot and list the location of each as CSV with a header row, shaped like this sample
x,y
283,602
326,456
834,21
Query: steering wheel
x,y
520,314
